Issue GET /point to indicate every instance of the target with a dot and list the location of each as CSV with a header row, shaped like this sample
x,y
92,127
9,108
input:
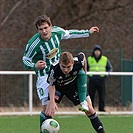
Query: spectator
x,y
97,63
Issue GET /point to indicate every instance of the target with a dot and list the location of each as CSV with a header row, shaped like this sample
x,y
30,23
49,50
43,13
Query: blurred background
x,y
113,17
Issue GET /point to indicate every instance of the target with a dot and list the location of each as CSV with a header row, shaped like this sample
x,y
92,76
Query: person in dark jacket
x,y
98,63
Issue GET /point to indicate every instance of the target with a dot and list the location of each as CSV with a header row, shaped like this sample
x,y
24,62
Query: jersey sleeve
x,y
30,52
27,59
76,34
67,34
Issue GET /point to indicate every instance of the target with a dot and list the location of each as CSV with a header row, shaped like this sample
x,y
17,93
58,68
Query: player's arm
x,y
30,65
79,33
28,56
84,62
52,93
51,106
40,65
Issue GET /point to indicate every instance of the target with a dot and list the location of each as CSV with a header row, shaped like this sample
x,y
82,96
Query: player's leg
x,y
95,121
43,116
91,114
73,95
82,89
42,91
82,85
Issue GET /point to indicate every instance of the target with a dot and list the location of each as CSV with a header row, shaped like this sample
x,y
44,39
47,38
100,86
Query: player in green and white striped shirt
x,y
43,49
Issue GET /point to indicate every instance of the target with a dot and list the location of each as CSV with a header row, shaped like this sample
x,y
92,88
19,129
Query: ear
x,y
73,62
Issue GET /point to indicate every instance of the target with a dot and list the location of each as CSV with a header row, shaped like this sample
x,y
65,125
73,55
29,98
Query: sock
x,y
82,85
96,123
43,117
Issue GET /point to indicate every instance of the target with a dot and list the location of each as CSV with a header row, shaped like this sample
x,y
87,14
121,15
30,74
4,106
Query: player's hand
x,y
40,65
94,29
51,108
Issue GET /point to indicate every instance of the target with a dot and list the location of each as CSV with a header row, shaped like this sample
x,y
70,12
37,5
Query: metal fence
x,y
14,88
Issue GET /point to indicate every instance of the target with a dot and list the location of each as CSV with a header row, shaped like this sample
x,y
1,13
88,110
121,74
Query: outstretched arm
x,y
51,106
79,33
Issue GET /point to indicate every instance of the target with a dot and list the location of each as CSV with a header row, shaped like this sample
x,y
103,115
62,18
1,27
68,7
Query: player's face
x,y
45,30
66,68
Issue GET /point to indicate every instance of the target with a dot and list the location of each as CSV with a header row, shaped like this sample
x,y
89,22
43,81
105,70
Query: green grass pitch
x,y
68,124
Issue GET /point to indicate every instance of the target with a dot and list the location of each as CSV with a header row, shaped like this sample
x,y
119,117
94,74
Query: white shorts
x,y
42,89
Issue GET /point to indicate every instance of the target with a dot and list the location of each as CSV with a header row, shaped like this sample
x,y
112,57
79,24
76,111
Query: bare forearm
x,y
52,93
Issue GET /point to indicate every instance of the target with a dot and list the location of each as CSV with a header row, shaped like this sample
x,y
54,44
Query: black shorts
x,y
70,91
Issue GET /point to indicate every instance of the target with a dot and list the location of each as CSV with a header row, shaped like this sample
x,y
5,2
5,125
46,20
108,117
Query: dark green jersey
x,y
48,51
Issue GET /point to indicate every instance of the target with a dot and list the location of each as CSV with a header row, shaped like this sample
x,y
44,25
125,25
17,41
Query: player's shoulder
x,y
55,65
57,29
80,56
33,38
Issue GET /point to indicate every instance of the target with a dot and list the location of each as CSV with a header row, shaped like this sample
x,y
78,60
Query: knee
x,y
91,110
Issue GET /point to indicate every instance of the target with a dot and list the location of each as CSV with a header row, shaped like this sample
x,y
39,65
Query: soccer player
x,y
62,81
43,49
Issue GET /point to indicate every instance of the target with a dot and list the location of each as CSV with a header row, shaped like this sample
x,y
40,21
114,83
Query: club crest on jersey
x,y
75,73
52,53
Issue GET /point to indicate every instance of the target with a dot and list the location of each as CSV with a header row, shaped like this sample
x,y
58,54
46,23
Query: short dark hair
x,y
66,58
40,19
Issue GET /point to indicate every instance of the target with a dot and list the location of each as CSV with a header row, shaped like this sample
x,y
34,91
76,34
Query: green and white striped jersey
x,y
48,51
